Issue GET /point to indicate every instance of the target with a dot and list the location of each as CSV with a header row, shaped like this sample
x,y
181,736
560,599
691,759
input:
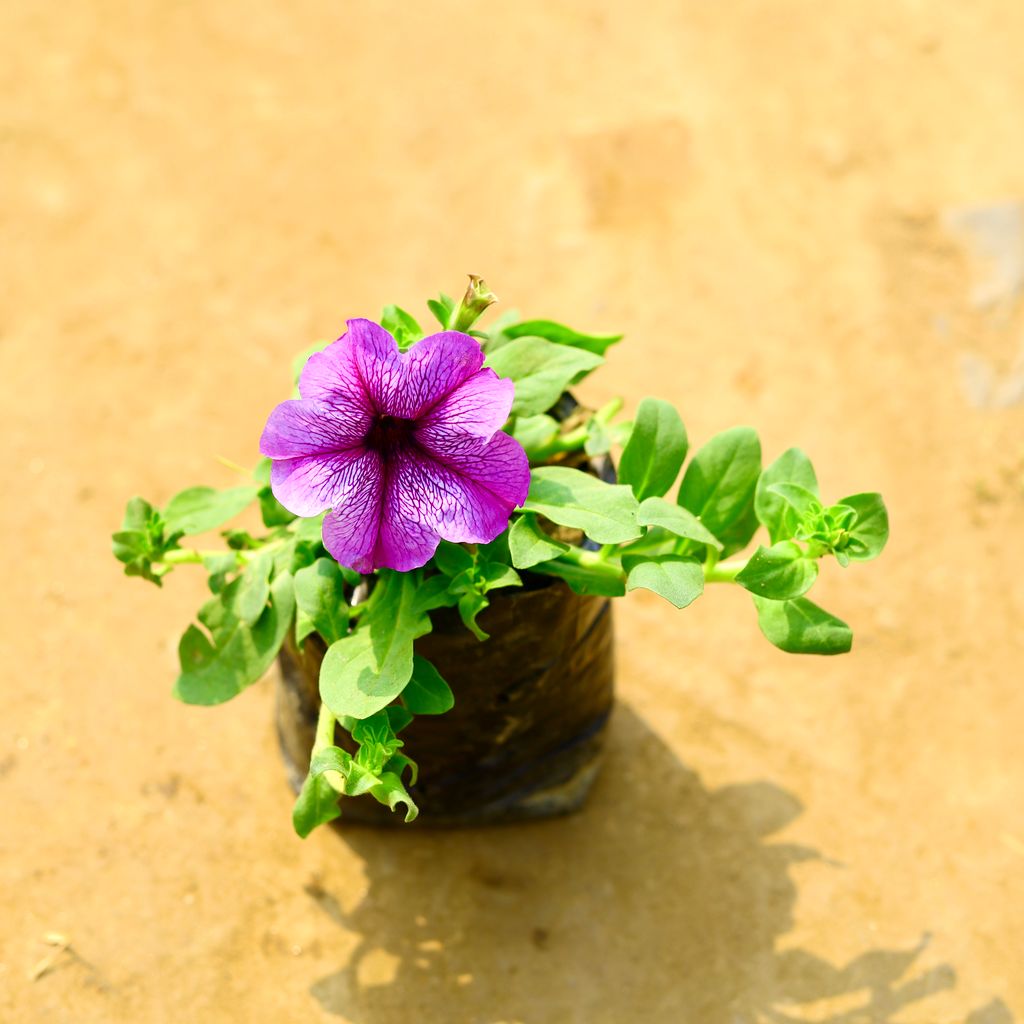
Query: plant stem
x,y
593,561
724,572
193,556
325,724
324,729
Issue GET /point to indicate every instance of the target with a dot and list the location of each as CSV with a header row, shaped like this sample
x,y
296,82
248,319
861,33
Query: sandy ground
x,y
763,196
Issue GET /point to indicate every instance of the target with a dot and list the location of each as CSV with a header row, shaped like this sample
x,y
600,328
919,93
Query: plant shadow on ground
x,y
661,901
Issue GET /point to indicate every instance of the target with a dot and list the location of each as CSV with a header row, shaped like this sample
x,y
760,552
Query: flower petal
x,y
498,465
358,369
309,427
479,405
352,527
467,498
311,483
433,369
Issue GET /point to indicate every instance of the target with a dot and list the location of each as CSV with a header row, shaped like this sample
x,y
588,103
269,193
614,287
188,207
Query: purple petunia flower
x,y
404,448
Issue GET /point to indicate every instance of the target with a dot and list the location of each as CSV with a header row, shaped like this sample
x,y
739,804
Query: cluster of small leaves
x,y
600,537
377,769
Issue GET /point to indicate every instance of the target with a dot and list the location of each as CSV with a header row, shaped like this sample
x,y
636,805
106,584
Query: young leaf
x,y
442,309
427,693
801,627
606,513
317,804
870,530
529,544
400,324
541,370
390,791
677,520
718,485
773,511
199,509
366,670
495,575
780,572
471,604
678,580
139,515
562,335
212,673
321,597
655,450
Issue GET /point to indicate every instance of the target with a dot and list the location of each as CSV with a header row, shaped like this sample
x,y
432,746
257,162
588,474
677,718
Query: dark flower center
x,y
389,433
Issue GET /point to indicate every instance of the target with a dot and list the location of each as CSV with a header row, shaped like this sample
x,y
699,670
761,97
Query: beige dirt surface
x,y
803,216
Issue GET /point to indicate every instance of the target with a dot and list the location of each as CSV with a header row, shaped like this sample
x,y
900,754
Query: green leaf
x,y
130,545
139,515
366,670
248,593
656,541
320,596
219,566
261,472
272,512
534,433
199,509
452,559
719,482
471,604
212,673
870,530
401,325
780,572
541,371
495,550
495,575
304,627
140,543
310,529
677,520
316,804
442,309
773,511
562,335
390,791
427,693
801,627
678,580
582,580
655,450
529,544
399,763
435,592
606,513
800,499
599,439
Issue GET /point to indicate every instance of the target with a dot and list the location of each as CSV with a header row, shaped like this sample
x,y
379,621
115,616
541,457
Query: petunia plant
x,y
415,471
